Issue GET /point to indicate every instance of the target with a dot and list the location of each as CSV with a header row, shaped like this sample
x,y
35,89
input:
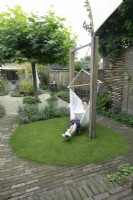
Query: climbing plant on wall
x,y
117,31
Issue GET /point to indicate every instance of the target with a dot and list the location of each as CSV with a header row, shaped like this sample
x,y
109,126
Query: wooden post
x,y
34,78
93,87
71,65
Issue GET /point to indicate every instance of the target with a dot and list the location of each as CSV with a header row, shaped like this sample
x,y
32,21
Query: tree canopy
x,y
33,38
117,32
82,63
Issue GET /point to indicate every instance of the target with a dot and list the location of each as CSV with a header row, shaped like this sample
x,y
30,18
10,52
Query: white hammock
x,y
76,106
76,109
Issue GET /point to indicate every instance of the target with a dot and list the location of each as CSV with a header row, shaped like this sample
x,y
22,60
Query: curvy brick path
x,y
20,179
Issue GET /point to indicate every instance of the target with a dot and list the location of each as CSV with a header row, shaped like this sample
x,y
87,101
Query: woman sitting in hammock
x,y
74,125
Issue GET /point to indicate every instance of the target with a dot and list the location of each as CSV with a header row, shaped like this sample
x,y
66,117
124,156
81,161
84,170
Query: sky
x,y
73,10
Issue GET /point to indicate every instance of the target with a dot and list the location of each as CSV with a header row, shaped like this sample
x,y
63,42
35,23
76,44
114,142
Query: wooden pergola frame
x,y
81,85
93,80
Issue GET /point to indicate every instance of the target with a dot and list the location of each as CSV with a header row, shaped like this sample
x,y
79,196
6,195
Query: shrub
x,y
123,171
26,87
51,111
2,111
44,87
103,102
40,116
16,93
3,86
31,100
64,111
29,112
119,116
3,93
64,95
52,98
52,101
23,119
44,72
26,112
104,108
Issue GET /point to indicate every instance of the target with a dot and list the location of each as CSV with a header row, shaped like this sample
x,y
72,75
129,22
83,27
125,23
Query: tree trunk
x,y
34,78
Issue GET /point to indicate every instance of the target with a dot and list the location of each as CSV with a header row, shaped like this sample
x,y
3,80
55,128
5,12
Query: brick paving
x,y
20,179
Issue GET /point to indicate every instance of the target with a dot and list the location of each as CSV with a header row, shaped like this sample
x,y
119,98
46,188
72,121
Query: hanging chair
x,y
76,107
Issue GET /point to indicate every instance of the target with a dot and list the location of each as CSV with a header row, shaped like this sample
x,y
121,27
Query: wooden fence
x,y
118,77
62,78
113,78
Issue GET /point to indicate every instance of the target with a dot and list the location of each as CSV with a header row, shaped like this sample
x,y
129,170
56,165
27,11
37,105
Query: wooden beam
x,y
72,86
93,86
78,48
71,65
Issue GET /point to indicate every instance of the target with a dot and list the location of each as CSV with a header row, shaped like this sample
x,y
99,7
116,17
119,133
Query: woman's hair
x,y
85,100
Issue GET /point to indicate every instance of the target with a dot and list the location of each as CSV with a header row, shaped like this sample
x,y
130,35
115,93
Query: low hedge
x,y
104,107
64,95
31,100
2,111
30,112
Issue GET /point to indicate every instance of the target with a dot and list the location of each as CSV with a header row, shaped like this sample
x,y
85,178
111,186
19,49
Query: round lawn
x,y
42,142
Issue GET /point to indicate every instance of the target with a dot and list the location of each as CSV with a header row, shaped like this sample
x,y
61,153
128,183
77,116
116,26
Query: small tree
x,y
82,63
34,39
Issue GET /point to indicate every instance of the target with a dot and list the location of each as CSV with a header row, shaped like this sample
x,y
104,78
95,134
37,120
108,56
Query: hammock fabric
x,y
76,109
76,106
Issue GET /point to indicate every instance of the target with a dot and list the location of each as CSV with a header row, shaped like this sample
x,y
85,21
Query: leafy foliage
x,y
88,25
33,38
3,93
78,65
2,111
30,112
119,116
16,93
82,63
44,72
53,98
31,100
51,111
103,102
64,95
27,113
104,108
3,86
25,87
123,171
117,31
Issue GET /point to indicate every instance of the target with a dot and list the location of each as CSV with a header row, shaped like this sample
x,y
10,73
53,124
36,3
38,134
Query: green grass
x,y
42,142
